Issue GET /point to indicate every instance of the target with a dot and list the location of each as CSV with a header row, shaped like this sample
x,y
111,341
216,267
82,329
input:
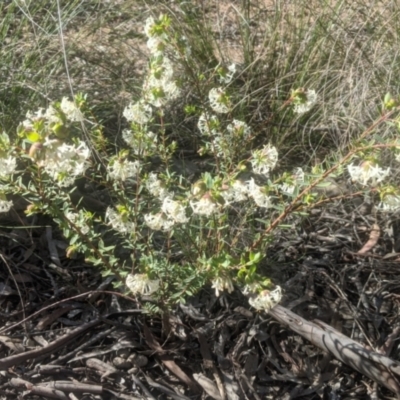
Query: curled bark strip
x,y
377,367
372,241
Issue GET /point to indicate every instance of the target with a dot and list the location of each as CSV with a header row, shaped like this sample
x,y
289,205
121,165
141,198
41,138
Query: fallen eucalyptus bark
x,y
376,366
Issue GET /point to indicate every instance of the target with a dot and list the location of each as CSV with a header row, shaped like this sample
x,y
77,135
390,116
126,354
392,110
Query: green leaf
x,y
33,136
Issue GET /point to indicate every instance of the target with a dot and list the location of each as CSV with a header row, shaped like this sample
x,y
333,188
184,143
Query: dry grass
x,y
346,50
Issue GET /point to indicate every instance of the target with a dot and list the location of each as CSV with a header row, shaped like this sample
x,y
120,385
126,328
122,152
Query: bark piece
x,y
379,368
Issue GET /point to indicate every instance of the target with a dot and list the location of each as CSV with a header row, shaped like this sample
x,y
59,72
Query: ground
x,y
64,327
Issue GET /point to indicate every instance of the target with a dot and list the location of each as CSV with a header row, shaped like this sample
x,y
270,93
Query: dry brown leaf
x,y
13,344
166,360
372,241
208,385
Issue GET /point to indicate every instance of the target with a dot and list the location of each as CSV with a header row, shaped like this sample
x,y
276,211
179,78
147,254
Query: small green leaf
x,y
33,136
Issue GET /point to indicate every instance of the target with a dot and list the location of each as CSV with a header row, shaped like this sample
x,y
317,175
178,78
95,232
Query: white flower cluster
x,y
240,191
303,105
266,299
208,124
368,173
52,116
219,100
297,180
156,38
138,112
221,284
239,129
119,221
390,203
172,212
121,170
141,284
206,206
71,111
142,143
160,87
264,160
156,187
226,74
79,220
236,191
258,194
7,167
31,118
64,162
220,143
5,206
158,222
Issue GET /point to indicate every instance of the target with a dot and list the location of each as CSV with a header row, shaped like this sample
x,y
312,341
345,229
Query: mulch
x,y
65,333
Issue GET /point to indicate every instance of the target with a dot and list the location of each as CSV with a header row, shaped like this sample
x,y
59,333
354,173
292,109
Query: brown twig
x,y
51,348
57,303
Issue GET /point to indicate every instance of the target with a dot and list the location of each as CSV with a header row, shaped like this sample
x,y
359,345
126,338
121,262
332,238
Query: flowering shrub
x,y
181,232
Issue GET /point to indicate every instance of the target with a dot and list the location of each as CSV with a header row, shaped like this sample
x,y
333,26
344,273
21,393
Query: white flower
x,y
156,45
138,112
148,27
266,299
119,222
142,143
367,171
123,169
33,117
226,76
78,220
161,70
220,147
303,105
204,206
71,111
140,283
171,90
250,288
53,116
159,87
158,222
236,192
7,167
5,206
298,179
222,283
207,124
239,129
264,160
258,194
391,202
219,101
174,210
64,162
156,187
